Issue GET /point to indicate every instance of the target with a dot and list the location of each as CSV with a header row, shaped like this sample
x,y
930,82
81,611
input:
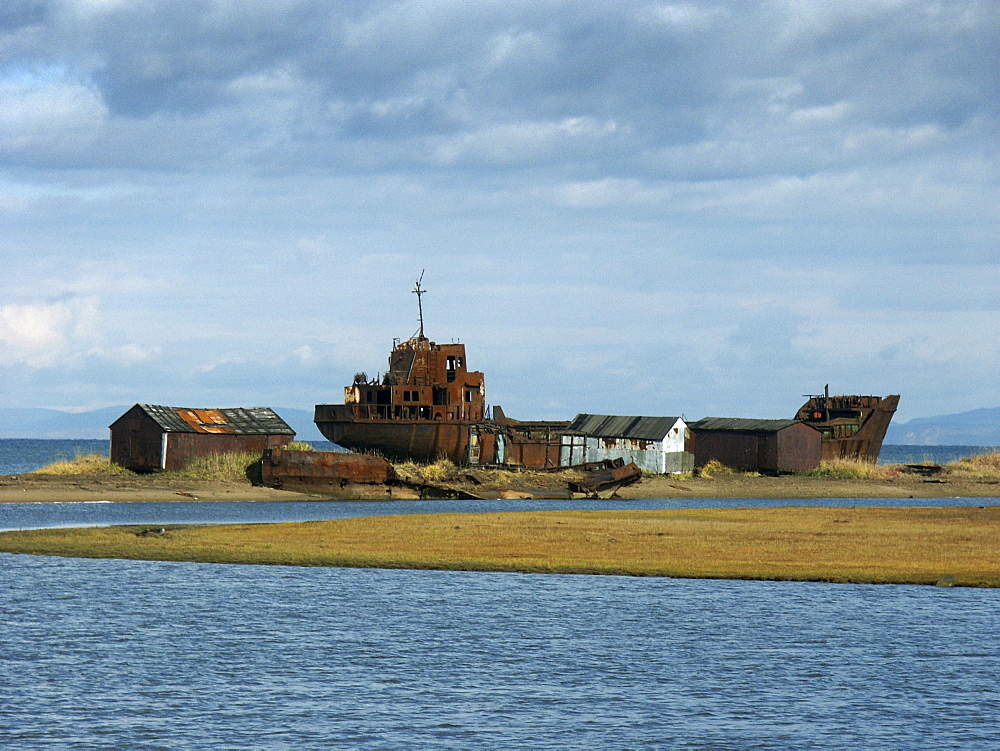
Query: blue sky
x,y
698,208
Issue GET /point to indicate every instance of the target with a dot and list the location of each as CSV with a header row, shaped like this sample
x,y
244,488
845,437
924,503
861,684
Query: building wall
x,y
532,454
183,448
746,451
793,449
136,441
659,457
800,448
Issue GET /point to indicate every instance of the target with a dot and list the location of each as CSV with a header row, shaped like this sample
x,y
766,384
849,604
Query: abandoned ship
x,y
429,405
853,427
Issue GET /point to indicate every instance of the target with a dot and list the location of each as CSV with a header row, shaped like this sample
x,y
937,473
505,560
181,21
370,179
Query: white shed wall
x,y
660,457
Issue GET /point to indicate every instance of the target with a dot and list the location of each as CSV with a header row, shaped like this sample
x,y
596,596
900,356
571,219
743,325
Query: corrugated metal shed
x,y
621,426
151,437
655,444
230,421
756,445
741,425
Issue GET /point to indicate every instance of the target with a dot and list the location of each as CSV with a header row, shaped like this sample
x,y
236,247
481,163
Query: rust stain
x,y
205,420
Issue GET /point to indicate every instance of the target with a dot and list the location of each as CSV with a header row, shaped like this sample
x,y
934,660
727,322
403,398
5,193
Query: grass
x,y
443,470
219,468
982,468
93,465
852,469
876,545
714,467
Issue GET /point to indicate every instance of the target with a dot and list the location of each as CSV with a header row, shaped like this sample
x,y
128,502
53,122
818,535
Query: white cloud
x,y
42,334
48,116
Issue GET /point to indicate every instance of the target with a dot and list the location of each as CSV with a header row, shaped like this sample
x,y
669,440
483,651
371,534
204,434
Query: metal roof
x,y
621,426
741,425
232,421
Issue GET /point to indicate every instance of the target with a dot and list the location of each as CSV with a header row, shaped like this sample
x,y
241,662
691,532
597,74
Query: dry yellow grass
x,y
878,545
219,467
94,465
853,469
984,467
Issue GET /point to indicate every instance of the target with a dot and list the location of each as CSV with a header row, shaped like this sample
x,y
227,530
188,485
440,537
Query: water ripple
x,y
189,656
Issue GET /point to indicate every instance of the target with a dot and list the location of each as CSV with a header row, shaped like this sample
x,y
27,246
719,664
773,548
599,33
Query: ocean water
x,y
125,654
19,455
900,454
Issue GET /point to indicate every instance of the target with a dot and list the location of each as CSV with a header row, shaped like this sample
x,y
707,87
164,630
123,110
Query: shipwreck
x,y
853,427
429,405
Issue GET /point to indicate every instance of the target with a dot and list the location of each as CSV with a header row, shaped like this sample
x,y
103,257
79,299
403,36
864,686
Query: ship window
x,y
468,395
458,362
369,397
406,396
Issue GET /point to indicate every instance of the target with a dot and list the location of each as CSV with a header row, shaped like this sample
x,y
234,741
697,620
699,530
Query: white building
x,y
656,444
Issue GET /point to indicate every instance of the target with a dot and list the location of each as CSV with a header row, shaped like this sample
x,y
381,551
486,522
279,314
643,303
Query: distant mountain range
x,y
980,427
54,423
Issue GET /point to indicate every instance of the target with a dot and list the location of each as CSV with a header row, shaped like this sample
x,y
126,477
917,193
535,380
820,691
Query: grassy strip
x,y
874,545
89,465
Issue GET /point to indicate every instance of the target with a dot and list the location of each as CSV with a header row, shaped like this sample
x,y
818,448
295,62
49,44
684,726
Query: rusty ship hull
x,y
853,427
396,439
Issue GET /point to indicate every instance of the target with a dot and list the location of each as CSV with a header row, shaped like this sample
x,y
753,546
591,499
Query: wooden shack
x,y
150,437
661,445
768,446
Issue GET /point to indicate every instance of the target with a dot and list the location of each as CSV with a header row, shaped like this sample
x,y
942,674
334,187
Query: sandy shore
x,y
34,488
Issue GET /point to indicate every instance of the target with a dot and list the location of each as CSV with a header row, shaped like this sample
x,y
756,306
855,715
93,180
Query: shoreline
x,y
40,488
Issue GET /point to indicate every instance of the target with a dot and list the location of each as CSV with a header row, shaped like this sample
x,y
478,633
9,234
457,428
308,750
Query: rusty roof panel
x,y
622,426
233,421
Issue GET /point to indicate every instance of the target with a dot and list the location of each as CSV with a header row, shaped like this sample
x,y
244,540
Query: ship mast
x,y
420,306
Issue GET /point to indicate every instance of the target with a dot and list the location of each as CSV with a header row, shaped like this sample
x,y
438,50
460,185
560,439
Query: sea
x,y
159,655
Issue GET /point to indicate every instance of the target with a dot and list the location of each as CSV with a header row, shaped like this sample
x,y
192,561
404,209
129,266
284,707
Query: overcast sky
x,y
697,208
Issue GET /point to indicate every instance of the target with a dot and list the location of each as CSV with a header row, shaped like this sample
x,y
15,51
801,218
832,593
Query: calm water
x,y
121,654
38,515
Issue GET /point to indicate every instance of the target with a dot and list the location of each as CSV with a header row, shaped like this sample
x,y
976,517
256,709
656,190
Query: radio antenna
x,y
420,305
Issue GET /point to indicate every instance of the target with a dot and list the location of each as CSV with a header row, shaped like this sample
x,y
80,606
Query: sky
x,y
701,208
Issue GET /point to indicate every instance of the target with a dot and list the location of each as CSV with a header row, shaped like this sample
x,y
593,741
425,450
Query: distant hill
x,y
980,427
54,423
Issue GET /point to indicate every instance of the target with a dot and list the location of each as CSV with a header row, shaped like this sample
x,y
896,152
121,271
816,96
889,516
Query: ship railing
x,y
365,412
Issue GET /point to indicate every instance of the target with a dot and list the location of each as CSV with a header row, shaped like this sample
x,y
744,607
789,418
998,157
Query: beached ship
x,y
853,427
428,405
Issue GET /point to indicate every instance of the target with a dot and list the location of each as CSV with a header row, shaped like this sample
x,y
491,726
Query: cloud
x,y
42,334
621,203
42,113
